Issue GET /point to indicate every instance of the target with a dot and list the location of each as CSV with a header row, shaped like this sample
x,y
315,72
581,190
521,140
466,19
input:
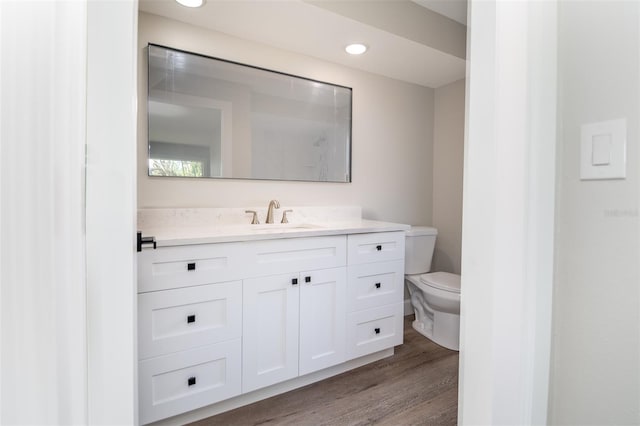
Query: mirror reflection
x,y
213,118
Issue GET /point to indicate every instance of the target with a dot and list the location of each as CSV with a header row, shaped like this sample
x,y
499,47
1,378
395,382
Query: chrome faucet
x,y
272,204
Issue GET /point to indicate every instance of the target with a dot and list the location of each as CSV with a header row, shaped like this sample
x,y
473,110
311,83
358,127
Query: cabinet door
x,y
269,330
323,316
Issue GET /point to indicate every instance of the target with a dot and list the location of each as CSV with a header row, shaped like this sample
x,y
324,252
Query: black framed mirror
x,y
210,117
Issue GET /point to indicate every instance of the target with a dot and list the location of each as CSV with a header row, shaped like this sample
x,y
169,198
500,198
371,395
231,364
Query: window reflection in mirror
x,y
184,141
213,118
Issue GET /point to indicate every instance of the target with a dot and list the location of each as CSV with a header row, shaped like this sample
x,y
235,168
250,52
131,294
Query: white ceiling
x,y
308,29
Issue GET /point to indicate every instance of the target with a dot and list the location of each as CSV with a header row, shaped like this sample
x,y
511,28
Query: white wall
x,y
392,136
596,348
448,156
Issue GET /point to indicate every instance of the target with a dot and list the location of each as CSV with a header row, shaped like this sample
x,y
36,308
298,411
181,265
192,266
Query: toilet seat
x,y
442,281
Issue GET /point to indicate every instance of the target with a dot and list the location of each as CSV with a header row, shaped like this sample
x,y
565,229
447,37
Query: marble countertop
x,y
186,235
186,226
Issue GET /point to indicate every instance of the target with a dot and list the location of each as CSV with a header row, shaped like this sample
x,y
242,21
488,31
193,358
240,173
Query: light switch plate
x,y
603,149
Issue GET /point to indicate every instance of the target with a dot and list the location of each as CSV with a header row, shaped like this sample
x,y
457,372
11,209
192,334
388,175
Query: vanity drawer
x,y
375,247
280,256
372,285
174,320
180,382
184,266
375,329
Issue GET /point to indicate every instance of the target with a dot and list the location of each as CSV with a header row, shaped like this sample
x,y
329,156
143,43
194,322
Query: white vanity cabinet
x,y
221,320
189,329
293,323
179,319
296,325
189,265
323,315
270,331
375,292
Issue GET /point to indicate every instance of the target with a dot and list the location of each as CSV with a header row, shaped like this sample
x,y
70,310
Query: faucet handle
x,y
284,216
254,219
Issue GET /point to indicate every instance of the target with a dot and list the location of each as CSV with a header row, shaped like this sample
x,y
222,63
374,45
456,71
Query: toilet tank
x,y
419,244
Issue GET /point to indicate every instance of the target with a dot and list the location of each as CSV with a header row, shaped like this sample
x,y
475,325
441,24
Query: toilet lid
x,y
442,280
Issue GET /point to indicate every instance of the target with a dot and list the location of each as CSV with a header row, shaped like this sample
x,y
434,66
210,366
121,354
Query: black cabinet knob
x,y
191,381
191,266
377,330
378,285
191,318
294,281
307,279
378,247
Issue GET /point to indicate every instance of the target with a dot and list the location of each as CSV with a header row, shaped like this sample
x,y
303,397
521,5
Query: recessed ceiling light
x,y
191,3
356,49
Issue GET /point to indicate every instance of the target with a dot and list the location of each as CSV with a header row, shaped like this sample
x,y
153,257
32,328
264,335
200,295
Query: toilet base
x,y
440,326
443,329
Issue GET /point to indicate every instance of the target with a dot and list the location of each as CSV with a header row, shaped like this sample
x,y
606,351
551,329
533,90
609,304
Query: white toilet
x,y
435,297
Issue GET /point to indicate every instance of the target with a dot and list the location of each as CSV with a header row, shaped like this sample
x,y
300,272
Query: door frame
x,y
508,212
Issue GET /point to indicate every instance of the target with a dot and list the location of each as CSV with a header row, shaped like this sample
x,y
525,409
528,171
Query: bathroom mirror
x,y
209,117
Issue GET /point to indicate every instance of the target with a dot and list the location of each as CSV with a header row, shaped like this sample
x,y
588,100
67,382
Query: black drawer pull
x,y
377,330
307,279
294,281
191,381
378,247
191,318
378,285
191,266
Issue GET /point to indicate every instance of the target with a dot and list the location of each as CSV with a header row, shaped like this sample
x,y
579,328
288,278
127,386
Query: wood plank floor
x,y
418,385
